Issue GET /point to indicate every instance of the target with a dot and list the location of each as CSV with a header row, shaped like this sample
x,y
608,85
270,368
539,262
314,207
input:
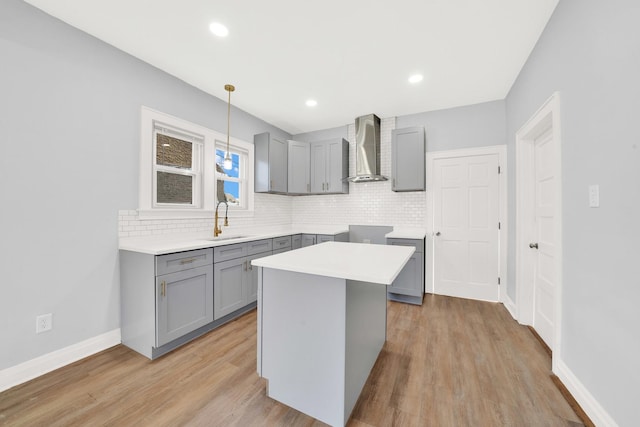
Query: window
x,y
177,168
181,169
232,183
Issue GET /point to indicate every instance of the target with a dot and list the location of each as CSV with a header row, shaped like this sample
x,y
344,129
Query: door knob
x,y
437,233
533,245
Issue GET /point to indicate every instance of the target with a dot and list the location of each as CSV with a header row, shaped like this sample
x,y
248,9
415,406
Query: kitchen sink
x,y
219,239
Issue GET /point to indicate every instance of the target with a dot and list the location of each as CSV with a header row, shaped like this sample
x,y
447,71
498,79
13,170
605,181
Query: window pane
x,y
232,191
173,152
176,189
234,172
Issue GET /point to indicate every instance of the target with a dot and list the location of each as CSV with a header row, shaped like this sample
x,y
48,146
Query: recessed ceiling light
x,y
311,103
416,78
218,29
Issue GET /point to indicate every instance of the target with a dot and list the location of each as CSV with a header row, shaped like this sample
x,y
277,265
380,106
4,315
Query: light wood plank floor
x,y
450,362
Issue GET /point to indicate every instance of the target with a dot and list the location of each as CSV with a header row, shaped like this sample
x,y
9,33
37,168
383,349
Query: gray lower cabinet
x,y
229,277
283,242
184,302
340,237
313,239
236,282
308,240
408,159
270,164
296,241
169,300
166,300
409,285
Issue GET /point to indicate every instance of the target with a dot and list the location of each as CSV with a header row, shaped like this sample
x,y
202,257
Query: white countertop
x,y
352,261
406,233
166,244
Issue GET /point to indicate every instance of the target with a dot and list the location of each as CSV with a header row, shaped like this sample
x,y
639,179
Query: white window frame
x,y
243,150
207,187
196,171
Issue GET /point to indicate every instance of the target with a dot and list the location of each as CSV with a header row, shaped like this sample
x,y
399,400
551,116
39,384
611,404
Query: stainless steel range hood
x,y
367,149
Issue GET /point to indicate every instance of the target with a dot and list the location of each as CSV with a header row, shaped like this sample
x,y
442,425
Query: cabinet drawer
x,y
321,238
279,251
180,261
259,246
227,252
281,242
416,243
296,241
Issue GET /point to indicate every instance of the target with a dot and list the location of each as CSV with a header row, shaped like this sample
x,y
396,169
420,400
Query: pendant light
x,y
228,164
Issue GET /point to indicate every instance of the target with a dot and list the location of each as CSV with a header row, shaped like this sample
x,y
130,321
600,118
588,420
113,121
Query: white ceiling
x,y
353,56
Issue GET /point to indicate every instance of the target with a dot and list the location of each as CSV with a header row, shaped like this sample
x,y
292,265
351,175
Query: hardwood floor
x,y
450,362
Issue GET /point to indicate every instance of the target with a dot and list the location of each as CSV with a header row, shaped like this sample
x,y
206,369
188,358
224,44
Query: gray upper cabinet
x,y
408,159
299,163
270,173
330,166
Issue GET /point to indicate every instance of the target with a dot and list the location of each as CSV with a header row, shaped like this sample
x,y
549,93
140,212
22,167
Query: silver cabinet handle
x,y
163,288
187,261
533,245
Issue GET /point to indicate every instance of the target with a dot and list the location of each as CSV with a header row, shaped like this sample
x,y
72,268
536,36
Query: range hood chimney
x,y
367,149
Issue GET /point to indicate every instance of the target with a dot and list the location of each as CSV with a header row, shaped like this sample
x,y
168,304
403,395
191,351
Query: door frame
x,y
501,151
547,116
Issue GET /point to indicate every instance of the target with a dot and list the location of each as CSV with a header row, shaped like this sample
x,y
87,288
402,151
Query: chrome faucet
x,y
217,230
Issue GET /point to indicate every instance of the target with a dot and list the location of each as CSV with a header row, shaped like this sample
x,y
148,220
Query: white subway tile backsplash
x,y
371,203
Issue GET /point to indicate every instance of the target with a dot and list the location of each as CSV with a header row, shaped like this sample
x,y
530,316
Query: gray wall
x,y
590,53
471,126
69,132
478,125
321,135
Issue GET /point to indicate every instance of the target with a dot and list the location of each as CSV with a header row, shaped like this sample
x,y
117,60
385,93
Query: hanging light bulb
x,y
228,164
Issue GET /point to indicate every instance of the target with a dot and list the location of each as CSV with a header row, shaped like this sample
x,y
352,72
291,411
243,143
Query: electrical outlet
x,y
44,323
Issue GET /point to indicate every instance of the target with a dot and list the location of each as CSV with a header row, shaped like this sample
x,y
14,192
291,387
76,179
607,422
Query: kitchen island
x,y
322,318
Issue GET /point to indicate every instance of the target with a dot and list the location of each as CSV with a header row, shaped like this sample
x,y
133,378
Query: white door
x,y
542,247
466,210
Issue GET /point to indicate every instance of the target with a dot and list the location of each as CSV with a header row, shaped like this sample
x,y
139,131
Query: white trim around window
x,y
204,203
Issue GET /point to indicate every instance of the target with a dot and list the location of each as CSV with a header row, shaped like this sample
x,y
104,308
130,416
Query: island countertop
x,y
353,261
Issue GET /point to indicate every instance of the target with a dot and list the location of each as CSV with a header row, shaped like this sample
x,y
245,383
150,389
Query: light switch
x,y
594,196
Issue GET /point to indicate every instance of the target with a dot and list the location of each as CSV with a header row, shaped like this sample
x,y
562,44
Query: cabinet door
x,y
308,240
337,168
184,302
299,177
252,278
229,293
278,165
318,167
296,241
408,159
410,280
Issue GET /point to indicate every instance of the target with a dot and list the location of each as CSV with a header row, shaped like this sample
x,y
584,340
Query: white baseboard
x,y
587,402
509,305
33,368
